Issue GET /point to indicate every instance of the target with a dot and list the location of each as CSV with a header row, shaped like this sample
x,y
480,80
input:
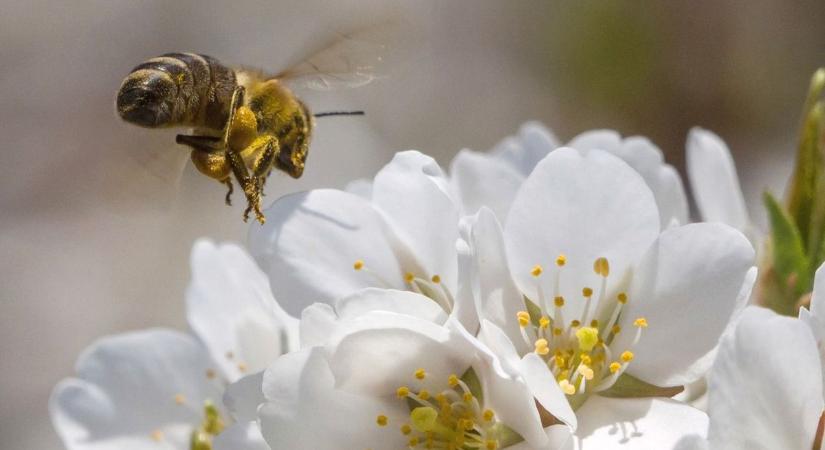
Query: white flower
x,y
382,370
162,389
714,183
609,294
320,245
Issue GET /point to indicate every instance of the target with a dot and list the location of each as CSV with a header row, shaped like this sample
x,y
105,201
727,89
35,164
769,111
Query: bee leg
x,y
249,184
228,182
237,101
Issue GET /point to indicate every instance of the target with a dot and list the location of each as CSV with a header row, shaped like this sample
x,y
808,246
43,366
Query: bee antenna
x,y
339,113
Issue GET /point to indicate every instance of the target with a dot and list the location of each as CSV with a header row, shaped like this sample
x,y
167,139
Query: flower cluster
x,y
538,296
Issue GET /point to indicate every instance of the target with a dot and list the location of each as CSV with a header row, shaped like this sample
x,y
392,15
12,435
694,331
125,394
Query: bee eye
x,y
145,102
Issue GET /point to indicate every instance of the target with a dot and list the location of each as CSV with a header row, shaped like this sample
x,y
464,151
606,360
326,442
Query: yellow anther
x,y
453,380
523,318
242,367
468,397
210,374
180,399
557,331
641,322
381,420
561,260
413,442
560,361
157,435
358,264
406,429
566,387
587,292
436,279
627,356
588,337
402,392
424,394
542,347
586,372
575,324
536,270
420,374
594,323
622,298
616,329
409,277
230,355
490,444
586,359
559,301
601,267
488,415
614,367
544,322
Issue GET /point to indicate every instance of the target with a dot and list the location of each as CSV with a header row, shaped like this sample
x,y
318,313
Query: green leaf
x,y
470,378
628,386
789,260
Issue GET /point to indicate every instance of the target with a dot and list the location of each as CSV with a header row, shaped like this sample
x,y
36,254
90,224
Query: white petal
x,y
126,390
412,191
380,351
231,309
637,423
480,180
304,411
688,288
243,397
499,298
360,187
241,436
318,322
544,387
401,302
559,437
818,295
713,180
692,442
523,151
311,241
585,207
607,140
766,385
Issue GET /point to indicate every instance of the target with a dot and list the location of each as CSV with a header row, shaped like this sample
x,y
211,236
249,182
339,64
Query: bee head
x,y
146,98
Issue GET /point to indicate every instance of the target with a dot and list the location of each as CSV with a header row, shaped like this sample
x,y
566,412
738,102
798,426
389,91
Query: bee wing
x,y
348,60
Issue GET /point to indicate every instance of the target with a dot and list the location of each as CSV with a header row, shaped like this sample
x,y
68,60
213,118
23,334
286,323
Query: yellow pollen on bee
x,y
420,374
641,322
588,337
180,399
622,298
157,435
406,429
536,270
587,292
544,322
436,279
542,346
523,318
566,387
358,264
559,301
601,267
402,392
409,277
614,367
561,260
381,420
452,380
627,356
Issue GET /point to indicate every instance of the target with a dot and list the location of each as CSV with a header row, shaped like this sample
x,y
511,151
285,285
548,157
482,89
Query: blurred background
x,y
95,240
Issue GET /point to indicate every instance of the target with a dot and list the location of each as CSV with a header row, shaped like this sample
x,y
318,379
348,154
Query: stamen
x,y
157,435
537,270
381,420
420,374
180,399
436,279
601,267
358,264
523,318
561,260
566,387
588,338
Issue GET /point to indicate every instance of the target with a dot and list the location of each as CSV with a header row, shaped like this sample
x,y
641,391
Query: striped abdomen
x,y
177,89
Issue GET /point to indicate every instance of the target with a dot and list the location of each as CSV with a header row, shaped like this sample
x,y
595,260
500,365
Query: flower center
x,y
202,436
578,350
453,418
430,287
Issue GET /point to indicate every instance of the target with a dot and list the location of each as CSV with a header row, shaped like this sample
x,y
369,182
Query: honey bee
x,y
244,122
